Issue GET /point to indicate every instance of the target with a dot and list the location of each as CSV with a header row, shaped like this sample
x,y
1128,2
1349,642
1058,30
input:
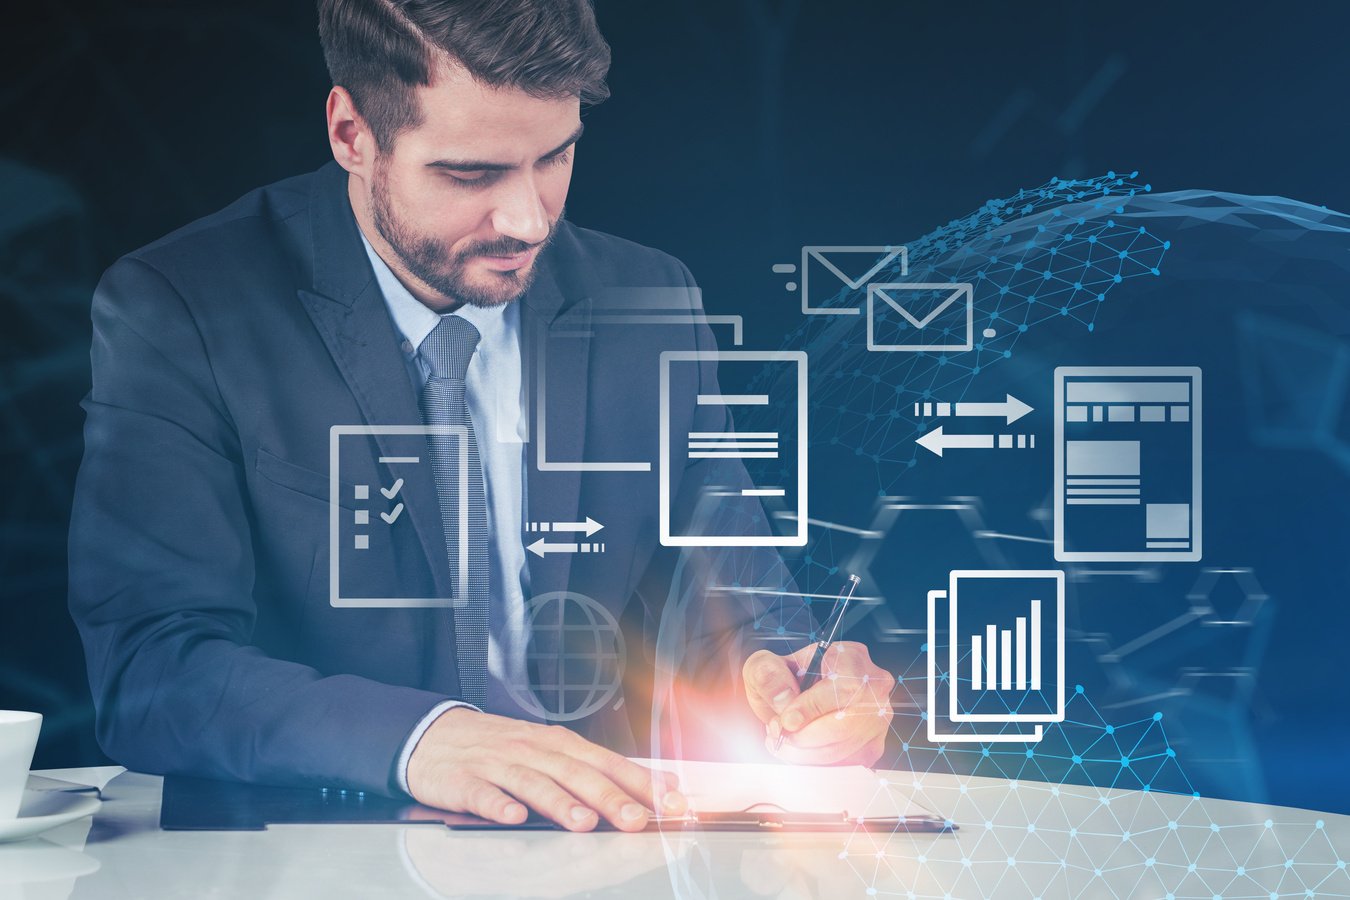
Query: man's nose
x,y
520,213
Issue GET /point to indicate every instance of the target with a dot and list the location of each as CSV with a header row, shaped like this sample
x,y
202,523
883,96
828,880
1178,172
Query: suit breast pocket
x,y
338,553
301,480
291,516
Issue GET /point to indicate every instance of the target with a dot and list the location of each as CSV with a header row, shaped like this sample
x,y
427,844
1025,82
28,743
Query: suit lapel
x,y
353,319
351,315
556,356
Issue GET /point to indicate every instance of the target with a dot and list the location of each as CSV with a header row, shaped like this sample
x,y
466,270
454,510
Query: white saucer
x,y
44,810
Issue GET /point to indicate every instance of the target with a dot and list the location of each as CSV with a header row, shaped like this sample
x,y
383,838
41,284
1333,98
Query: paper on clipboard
x,y
718,787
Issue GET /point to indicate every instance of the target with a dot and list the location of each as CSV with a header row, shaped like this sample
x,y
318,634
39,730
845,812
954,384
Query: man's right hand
x,y
495,767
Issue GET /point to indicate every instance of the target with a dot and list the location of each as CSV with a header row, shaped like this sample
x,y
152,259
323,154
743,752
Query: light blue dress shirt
x,y
493,394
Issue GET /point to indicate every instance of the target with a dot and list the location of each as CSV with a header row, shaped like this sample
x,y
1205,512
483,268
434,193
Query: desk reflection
x,y
542,864
46,868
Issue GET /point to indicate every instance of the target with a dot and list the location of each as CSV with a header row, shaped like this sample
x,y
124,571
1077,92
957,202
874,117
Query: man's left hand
x,y
841,720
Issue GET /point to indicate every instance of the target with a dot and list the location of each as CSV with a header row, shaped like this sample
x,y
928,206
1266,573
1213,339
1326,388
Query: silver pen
x,y
812,673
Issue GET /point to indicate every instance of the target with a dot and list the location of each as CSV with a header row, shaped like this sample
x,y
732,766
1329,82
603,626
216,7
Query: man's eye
x,y
472,178
561,159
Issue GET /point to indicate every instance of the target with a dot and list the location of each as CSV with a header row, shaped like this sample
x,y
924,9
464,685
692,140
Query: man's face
x,y
468,199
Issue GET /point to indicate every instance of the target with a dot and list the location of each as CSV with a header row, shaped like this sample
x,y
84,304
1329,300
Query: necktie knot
x,y
449,347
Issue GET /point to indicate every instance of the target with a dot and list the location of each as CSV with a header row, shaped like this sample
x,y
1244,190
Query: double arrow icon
x,y
542,547
1010,409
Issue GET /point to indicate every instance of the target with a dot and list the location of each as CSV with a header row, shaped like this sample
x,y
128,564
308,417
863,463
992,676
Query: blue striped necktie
x,y
447,351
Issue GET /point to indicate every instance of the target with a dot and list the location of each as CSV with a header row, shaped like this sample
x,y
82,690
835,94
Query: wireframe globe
x,y
576,657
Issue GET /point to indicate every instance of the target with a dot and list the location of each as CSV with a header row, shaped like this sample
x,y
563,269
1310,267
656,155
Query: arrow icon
x,y
590,526
937,442
1012,409
542,548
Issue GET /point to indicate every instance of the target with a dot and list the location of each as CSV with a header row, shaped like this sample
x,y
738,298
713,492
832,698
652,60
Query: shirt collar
x,y
415,320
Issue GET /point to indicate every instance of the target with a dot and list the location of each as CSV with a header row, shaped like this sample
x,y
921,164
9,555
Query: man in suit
x,y
402,285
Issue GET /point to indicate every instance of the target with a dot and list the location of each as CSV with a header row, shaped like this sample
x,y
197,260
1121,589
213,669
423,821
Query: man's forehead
x,y
462,118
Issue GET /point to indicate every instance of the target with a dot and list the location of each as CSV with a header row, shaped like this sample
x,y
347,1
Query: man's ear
x,y
348,134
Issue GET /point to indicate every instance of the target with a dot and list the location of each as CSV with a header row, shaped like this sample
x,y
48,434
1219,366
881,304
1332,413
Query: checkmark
x,y
390,518
390,492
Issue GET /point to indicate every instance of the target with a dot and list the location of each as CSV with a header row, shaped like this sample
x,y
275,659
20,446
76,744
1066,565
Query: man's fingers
x,y
848,678
598,791
851,723
823,698
828,755
656,789
490,802
547,797
770,683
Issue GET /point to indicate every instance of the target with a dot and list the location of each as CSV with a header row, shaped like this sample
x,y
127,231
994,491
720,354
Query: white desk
x,y
1016,840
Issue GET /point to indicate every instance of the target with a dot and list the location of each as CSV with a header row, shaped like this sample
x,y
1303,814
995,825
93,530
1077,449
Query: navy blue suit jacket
x,y
222,354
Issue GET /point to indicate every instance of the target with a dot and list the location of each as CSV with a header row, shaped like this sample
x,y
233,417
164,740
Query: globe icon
x,y
576,657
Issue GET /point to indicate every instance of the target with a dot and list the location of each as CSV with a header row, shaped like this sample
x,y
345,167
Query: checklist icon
x,y
361,540
366,515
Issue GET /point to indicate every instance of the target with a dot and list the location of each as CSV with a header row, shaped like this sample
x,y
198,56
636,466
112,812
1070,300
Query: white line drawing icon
x,y
999,629
1128,464
993,651
340,436
825,271
544,546
637,306
590,526
922,317
739,445
936,606
937,441
1012,409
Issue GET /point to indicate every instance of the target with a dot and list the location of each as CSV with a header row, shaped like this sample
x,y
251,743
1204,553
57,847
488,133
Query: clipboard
x,y
760,821
200,804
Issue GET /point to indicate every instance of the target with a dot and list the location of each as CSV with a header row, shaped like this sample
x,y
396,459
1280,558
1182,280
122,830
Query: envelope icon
x,y
826,271
921,317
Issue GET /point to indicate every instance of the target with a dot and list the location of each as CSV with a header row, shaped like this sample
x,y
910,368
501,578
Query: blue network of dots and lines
x,y
1043,255
1161,837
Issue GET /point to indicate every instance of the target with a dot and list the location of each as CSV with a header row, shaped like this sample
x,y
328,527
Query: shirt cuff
x,y
411,744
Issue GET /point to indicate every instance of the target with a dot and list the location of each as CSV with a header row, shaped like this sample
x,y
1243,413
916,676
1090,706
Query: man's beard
x,y
432,263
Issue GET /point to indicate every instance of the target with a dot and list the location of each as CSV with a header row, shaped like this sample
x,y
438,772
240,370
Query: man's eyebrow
x,y
472,165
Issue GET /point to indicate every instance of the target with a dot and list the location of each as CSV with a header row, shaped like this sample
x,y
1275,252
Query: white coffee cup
x,y
18,740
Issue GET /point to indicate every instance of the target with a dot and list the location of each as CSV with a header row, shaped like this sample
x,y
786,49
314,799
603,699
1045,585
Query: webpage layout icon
x,y
1006,646
1128,464
728,508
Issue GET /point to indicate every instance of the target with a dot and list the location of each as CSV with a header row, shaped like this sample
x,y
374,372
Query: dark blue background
x,y
737,132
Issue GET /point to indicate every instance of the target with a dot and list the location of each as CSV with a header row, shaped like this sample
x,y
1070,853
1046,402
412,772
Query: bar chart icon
x,y
994,656
1007,646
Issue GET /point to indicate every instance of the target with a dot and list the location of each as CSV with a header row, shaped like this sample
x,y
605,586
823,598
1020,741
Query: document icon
x,y
828,270
944,682
728,514
936,317
1127,464
1006,646
372,470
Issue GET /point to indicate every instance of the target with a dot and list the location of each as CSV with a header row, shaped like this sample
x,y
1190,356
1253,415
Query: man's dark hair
x,y
381,50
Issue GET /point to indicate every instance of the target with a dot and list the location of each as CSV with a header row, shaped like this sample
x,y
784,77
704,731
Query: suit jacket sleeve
x,y
162,569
